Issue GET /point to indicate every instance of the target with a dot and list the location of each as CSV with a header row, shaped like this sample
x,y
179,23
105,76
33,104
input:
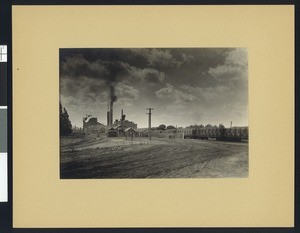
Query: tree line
x,y
65,126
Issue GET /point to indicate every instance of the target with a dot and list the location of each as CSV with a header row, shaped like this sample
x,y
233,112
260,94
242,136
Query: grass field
x,y
96,157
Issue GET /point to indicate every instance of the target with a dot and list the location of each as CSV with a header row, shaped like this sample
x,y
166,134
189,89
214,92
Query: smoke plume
x,y
113,96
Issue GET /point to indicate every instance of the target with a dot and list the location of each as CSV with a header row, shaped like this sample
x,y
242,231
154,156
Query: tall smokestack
x,y
149,121
113,98
108,118
111,112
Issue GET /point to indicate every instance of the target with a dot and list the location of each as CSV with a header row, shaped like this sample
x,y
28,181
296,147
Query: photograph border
x,y
221,134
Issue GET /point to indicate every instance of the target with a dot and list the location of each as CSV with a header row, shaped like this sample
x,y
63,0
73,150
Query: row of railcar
x,y
219,133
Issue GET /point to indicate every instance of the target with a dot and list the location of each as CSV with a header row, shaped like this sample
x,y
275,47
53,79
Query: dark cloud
x,y
147,76
94,54
188,58
78,66
158,57
153,76
110,71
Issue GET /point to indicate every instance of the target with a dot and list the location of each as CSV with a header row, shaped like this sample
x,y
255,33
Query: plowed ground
x,y
156,158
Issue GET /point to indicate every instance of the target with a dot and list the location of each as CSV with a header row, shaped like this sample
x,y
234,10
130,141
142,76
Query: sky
x,y
185,86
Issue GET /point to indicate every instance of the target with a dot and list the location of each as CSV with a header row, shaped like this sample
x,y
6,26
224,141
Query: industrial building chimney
x,y
122,115
111,112
108,118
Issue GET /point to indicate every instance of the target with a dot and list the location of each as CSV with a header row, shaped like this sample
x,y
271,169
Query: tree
x,y
161,127
64,122
171,127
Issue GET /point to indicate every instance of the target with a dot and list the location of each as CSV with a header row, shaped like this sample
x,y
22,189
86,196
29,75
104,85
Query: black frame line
x,y
6,212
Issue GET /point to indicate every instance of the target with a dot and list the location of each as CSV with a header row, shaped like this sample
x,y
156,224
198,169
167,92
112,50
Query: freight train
x,y
220,133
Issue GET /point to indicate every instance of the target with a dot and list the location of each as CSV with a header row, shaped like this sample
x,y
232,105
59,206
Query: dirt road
x,y
158,158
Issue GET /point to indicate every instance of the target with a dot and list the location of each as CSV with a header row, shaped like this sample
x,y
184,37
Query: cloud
x,y
144,76
235,67
171,93
77,67
217,96
114,78
116,71
158,57
124,102
86,95
148,75
237,57
187,58
125,91
82,87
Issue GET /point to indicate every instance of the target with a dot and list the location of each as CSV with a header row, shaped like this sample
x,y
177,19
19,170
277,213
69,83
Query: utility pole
x,y
149,121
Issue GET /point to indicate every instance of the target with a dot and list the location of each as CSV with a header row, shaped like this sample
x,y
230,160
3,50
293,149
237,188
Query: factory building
x,y
120,127
110,113
91,125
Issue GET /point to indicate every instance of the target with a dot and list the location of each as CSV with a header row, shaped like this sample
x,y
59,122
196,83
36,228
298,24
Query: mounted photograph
x,y
130,113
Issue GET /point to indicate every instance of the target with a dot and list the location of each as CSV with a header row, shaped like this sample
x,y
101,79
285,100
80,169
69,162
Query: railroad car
x,y
219,133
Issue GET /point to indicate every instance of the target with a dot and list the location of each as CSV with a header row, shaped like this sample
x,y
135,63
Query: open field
x,y
100,157
96,157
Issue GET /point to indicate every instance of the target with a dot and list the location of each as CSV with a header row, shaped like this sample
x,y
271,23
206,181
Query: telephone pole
x,y
149,121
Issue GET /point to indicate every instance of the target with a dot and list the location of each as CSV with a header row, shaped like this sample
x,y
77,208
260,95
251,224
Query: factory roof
x,y
129,129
